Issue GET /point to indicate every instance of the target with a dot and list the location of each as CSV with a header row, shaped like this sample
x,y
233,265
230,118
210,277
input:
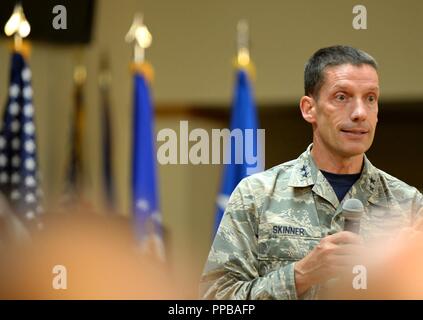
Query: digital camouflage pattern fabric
x,y
278,216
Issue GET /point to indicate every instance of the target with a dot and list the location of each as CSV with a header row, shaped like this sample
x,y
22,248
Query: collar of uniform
x,y
368,187
304,171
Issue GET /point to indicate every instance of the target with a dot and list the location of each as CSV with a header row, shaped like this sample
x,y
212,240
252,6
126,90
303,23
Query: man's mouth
x,y
355,132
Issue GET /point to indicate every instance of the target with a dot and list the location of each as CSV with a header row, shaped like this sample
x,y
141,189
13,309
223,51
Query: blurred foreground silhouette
x,y
394,270
101,258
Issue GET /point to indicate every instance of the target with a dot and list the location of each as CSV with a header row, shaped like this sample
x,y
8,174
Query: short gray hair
x,y
328,57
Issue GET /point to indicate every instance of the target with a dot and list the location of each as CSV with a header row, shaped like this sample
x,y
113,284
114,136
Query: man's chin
x,y
352,149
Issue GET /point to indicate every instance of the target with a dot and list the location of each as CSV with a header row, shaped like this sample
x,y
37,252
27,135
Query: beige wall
x,y
192,51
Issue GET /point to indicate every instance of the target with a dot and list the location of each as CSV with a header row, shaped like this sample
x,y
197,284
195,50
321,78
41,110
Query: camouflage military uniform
x,y
276,217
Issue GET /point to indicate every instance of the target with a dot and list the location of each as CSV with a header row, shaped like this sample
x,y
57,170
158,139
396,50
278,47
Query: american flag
x,y
19,176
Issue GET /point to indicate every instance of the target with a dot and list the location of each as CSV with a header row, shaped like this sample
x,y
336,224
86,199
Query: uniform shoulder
x,y
257,188
267,178
399,189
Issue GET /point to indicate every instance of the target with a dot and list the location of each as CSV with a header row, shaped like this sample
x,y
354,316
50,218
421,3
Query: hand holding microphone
x,y
334,254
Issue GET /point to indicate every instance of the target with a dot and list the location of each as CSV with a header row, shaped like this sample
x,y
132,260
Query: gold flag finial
x,y
139,35
17,26
243,55
243,60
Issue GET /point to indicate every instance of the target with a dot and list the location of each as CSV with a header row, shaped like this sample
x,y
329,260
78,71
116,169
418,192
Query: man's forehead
x,y
348,74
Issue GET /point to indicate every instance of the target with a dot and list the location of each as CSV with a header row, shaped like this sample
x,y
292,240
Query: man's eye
x,y
371,98
341,97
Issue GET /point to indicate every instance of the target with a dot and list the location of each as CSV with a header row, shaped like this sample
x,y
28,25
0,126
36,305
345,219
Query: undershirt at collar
x,y
341,183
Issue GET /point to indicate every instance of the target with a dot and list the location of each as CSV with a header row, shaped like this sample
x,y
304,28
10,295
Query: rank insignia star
x,y
304,171
372,184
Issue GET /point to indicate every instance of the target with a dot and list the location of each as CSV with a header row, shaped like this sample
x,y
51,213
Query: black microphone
x,y
352,211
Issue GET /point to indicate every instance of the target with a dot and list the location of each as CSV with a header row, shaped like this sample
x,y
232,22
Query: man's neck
x,y
330,162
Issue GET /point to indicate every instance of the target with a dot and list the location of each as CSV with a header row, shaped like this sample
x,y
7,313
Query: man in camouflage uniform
x,y
281,235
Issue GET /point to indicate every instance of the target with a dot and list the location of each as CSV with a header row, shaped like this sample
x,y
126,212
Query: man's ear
x,y
308,109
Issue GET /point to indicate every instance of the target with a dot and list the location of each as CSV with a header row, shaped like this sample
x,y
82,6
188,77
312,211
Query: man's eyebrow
x,y
339,86
346,87
374,89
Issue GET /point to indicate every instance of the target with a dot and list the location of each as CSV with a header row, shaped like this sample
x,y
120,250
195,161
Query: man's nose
x,y
359,112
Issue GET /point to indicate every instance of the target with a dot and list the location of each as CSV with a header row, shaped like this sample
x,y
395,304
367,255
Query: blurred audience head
x,y
94,256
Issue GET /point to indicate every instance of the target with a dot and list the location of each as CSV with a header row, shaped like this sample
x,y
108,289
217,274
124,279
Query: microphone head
x,y
352,209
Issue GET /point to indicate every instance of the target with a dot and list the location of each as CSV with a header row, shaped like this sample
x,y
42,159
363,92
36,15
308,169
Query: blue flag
x,y
144,175
243,117
19,176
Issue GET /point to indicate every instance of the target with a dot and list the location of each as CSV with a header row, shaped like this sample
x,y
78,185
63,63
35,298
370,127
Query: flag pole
x,y
243,43
243,117
18,27
145,197
139,35
141,38
243,59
